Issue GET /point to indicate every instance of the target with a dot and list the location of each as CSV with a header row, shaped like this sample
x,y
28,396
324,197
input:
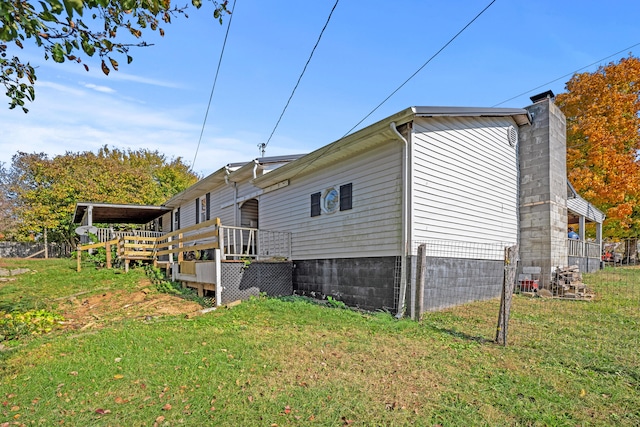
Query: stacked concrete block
x,y
543,192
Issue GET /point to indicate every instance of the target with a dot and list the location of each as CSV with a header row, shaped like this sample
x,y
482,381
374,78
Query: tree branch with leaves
x,y
69,30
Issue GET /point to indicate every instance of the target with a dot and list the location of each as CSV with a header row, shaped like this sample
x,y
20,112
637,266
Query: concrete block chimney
x,y
543,191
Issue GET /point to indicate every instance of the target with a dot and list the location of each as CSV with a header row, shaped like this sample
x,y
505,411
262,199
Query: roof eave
x,y
296,167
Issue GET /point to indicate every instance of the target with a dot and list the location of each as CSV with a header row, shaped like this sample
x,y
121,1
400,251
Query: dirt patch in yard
x,y
83,311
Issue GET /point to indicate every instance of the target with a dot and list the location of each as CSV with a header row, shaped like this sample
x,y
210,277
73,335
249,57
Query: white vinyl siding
x,y
219,197
371,228
188,214
465,181
166,222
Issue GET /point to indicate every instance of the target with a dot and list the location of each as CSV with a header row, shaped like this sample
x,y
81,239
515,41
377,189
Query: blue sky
x,y
368,50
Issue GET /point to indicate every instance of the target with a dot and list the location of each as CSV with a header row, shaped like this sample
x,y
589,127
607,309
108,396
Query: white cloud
x,y
86,117
98,88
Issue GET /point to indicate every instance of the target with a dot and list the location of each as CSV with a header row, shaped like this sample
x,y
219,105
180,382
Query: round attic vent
x,y
512,136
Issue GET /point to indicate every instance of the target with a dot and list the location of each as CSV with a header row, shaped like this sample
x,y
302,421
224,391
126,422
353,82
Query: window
x,y
330,200
203,209
315,204
208,202
176,220
345,197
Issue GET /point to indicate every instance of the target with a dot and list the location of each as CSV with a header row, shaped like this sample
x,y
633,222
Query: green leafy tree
x,y
68,30
7,224
43,191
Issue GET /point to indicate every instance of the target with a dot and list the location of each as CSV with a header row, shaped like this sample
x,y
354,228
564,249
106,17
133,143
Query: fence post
x,y
78,250
510,264
420,279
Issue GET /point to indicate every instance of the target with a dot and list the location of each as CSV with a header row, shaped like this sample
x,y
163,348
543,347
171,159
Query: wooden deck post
x,y
217,254
108,249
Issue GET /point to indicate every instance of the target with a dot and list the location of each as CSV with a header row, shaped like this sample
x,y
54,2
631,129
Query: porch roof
x,y
117,213
577,207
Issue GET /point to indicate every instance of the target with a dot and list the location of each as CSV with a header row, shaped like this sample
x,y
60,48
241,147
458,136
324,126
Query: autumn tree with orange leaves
x,y
603,141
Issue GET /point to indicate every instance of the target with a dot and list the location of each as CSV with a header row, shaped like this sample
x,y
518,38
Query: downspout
x,y
404,222
235,194
255,168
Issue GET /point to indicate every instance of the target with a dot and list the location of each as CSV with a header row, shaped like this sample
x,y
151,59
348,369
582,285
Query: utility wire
x,y
263,146
420,69
568,74
215,79
328,149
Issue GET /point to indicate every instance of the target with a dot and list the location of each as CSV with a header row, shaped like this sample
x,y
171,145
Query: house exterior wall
x,y
166,221
188,214
222,204
370,229
586,265
366,283
454,281
350,254
465,181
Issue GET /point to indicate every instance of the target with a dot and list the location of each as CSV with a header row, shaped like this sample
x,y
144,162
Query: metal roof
x,y
217,178
520,115
118,214
378,133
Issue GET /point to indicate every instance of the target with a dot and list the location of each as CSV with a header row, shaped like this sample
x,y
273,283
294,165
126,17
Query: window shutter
x,y
197,211
345,197
315,204
178,214
208,202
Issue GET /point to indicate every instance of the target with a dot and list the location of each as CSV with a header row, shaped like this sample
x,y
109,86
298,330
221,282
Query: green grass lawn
x,y
289,362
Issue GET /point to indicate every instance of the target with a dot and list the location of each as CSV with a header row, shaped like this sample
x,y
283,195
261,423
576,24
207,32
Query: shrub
x,y
16,325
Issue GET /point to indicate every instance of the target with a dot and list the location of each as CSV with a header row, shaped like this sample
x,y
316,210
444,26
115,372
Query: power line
x,y
420,69
215,79
328,150
568,74
263,146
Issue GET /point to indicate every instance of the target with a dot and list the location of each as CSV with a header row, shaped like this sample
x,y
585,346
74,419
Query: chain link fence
x,y
34,250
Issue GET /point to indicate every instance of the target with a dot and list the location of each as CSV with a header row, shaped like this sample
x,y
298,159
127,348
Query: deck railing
x,y
245,242
106,234
582,249
195,242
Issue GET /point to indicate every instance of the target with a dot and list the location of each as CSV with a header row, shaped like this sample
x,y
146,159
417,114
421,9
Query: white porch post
x,y
583,243
599,236
218,255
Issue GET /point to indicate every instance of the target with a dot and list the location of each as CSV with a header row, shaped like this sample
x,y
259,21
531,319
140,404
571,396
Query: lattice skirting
x,y
241,281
